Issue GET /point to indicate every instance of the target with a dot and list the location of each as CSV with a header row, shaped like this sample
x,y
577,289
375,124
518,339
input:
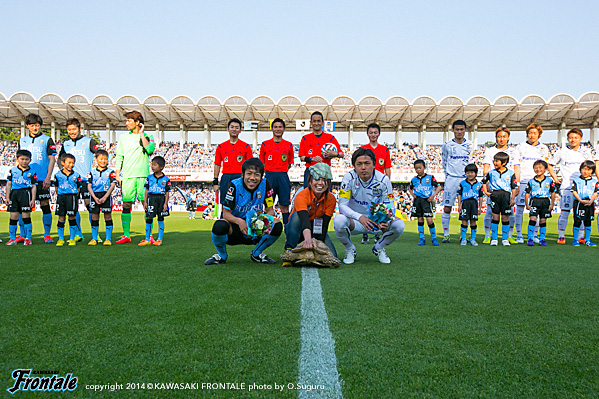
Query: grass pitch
x,y
442,322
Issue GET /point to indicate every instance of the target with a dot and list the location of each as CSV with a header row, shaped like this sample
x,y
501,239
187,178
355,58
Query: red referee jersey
x,y
311,146
276,156
383,157
231,156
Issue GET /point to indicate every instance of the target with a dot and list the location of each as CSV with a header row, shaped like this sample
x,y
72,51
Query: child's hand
x,y
145,205
512,202
528,207
103,199
165,208
32,203
431,198
459,209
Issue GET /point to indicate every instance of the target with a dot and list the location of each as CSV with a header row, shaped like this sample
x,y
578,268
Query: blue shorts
x,y
281,185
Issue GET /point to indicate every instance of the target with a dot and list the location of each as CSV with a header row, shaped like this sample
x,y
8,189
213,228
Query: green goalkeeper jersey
x,y
131,158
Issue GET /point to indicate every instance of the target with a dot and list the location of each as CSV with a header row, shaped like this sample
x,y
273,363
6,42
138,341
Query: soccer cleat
x,y
473,243
262,258
99,240
487,240
422,242
350,256
11,242
575,243
542,243
445,239
27,242
59,243
48,240
365,239
158,243
463,243
561,240
124,240
530,242
20,239
590,243
435,242
505,243
215,260
78,238
519,240
287,264
581,241
382,255
107,243
535,239
72,243
493,243
144,243
152,241
92,243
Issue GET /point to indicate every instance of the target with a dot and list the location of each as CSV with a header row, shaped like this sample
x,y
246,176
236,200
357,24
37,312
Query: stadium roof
x,y
395,111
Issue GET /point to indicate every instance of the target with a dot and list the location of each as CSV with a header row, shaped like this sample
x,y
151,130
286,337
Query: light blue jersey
x,y
42,147
83,149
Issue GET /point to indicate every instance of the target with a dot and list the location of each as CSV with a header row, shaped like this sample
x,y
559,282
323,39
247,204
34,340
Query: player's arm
x,y
388,172
91,192
437,189
228,216
145,203
33,194
517,172
514,185
459,202
147,141
551,171
93,146
575,193
486,188
527,200
217,166
119,162
338,154
8,187
167,195
444,155
481,199
290,157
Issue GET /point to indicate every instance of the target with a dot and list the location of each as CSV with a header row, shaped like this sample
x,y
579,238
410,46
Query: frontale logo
x,y
55,383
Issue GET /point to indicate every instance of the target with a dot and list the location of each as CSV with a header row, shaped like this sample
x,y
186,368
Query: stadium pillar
x,y
186,136
594,134
53,131
83,130
207,138
446,133
108,135
398,142
255,139
561,139
113,140
422,137
157,134
22,128
181,130
350,138
474,138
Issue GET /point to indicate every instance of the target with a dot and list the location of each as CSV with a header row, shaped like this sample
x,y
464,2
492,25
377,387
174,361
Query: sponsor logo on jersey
x,y
230,190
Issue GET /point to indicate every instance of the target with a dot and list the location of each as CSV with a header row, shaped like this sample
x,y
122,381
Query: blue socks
x,y
109,230
587,233
421,232
60,230
12,229
47,220
463,231
220,243
472,234
160,229
148,230
505,228
266,241
494,228
433,231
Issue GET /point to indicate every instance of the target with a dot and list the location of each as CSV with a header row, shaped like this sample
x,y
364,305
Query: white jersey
x,y
569,162
356,196
527,155
455,157
510,150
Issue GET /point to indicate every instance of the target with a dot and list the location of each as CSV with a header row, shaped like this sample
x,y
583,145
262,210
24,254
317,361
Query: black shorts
x,y
67,205
540,207
192,205
584,213
238,238
281,185
500,202
469,209
83,192
42,194
20,200
105,207
155,206
421,208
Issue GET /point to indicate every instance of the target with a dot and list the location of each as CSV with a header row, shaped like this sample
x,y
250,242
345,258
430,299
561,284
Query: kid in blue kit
x,y
424,188
498,184
20,191
100,185
470,198
585,189
537,196
158,187
67,183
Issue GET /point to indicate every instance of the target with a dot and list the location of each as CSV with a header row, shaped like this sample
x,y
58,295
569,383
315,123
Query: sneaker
x,y
493,243
48,240
262,258
215,260
487,240
59,243
435,242
519,240
422,242
124,240
158,243
350,256
505,243
27,242
152,241
107,243
574,243
463,243
72,243
561,241
11,242
542,243
20,239
445,239
382,254
473,243
78,238
581,241
590,243
535,239
530,242
99,240
92,243
365,239
144,243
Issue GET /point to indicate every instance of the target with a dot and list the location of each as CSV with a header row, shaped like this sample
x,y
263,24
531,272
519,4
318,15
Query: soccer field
x,y
438,322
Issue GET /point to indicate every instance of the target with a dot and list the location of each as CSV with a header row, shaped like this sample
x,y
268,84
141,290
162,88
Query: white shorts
x,y
520,199
450,190
566,200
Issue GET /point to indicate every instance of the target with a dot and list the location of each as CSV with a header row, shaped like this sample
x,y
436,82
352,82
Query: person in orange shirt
x,y
313,209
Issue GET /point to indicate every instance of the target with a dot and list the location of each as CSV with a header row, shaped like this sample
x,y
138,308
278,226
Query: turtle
x,y
319,256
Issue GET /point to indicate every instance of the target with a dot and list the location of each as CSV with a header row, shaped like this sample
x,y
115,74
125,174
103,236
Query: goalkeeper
x,y
132,160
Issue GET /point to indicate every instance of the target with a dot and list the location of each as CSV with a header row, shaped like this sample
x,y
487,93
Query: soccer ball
x,y
329,147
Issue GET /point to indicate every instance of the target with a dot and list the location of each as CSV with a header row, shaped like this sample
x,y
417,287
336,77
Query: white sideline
x,y
317,360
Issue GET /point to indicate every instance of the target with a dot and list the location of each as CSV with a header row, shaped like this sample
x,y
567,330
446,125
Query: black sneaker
x,y
262,258
215,260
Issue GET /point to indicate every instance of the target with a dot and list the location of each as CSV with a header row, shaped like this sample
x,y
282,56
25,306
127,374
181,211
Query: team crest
x,y
163,183
226,159
259,195
82,144
239,158
381,161
270,157
310,151
284,157
28,175
427,180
